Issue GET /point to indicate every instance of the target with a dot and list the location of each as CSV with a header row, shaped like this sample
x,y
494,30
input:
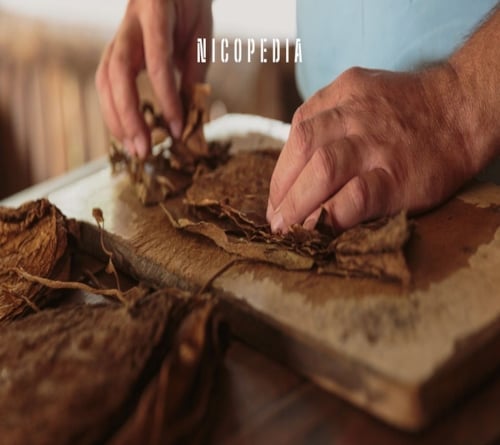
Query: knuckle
x,y
119,62
302,136
298,116
323,164
353,75
131,122
157,69
339,117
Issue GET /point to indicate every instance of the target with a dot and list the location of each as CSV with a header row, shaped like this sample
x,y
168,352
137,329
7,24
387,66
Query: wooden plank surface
x,y
389,350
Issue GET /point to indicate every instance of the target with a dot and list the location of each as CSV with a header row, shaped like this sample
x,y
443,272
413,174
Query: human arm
x,y
375,142
159,36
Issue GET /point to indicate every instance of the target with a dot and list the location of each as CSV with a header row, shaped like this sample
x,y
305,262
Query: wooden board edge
x,y
393,402
465,371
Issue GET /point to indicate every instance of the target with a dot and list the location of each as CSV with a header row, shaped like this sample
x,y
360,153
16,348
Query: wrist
x,y
453,116
477,67
468,110
481,108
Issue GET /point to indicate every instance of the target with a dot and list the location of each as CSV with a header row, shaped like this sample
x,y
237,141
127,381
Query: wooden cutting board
x,y
402,354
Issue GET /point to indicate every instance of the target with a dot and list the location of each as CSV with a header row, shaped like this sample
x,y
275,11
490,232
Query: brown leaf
x,y
98,215
86,372
175,402
271,253
169,171
34,238
240,187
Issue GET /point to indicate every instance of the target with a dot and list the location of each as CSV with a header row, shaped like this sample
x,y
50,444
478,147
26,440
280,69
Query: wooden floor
x,y
257,401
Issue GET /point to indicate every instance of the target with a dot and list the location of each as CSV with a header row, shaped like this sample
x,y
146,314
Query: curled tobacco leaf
x,y
34,238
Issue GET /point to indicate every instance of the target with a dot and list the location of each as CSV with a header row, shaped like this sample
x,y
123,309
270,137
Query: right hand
x,y
159,36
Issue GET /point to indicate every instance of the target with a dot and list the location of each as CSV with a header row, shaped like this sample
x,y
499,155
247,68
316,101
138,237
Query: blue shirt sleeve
x,y
384,34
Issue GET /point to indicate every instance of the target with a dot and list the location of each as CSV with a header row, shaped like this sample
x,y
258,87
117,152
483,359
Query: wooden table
x,y
260,401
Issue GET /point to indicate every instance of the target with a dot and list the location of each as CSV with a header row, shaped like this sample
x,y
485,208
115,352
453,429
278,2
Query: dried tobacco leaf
x,y
240,188
228,205
89,374
154,179
383,235
169,171
271,253
34,238
174,404
374,248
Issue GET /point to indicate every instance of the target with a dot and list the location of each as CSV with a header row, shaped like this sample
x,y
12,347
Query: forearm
x,y
477,66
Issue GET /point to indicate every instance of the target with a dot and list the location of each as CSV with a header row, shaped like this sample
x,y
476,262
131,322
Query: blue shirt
x,y
386,34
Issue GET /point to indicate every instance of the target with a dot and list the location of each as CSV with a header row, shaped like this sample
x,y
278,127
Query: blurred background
x,y
50,121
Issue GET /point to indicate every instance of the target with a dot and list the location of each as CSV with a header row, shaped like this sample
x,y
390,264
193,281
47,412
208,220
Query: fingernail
x,y
176,129
141,146
129,146
310,223
270,211
277,223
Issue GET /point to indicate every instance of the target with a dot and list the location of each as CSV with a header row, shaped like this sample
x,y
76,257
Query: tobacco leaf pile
x,y
228,205
137,370
35,237
94,374
169,170
226,198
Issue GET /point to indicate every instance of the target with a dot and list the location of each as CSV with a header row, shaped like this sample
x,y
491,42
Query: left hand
x,y
371,144
159,36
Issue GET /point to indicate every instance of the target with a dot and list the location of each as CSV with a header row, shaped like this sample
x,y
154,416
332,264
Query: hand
x,y
371,144
158,35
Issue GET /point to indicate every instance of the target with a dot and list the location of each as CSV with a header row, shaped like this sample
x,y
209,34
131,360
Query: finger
x,y
158,48
370,195
305,137
103,88
194,72
329,168
321,101
124,65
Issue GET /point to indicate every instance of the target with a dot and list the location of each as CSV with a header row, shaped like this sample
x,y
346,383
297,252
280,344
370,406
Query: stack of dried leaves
x,y
228,205
138,369
169,170
108,374
35,238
